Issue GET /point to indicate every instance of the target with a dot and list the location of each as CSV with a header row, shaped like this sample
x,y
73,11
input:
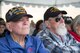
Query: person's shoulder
x,y
70,36
3,42
4,47
43,34
40,34
35,38
3,39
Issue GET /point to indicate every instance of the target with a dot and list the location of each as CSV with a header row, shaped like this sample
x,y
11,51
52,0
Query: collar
x,y
14,44
54,37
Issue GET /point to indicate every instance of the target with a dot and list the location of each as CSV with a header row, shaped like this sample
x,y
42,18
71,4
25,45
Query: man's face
x,y
55,21
2,28
57,24
20,27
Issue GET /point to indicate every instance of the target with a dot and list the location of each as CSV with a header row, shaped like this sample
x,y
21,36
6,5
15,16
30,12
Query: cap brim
x,y
30,16
17,18
58,12
63,12
55,14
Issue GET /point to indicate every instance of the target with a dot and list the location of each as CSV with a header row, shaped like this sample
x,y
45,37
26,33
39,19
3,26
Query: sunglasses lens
x,y
57,19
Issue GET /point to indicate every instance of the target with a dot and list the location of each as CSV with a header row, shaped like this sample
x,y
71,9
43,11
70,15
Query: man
x,y
15,40
2,27
54,35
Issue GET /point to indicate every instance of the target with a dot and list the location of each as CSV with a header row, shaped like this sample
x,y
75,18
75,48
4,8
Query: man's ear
x,y
47,24
8,26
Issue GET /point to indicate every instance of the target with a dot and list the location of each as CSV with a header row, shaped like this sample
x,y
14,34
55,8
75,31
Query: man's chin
x,y
61,30
24,34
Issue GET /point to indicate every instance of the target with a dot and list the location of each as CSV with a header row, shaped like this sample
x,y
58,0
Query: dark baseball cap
x,y
53,12
16,13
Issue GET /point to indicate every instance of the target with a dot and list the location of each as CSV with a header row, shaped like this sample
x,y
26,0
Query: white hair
x,y
61,29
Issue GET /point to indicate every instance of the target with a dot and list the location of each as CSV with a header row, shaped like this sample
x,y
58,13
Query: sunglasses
x,y
58,18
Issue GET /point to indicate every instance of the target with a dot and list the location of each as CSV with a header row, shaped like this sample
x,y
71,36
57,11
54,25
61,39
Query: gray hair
x,y
76,22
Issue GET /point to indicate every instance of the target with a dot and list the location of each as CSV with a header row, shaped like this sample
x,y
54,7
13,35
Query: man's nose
x,y
62,20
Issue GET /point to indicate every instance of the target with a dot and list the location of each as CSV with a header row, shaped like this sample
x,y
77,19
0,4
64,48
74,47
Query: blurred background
x,y
38,7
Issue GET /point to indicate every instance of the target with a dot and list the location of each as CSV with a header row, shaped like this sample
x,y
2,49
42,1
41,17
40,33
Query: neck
x,y
20,39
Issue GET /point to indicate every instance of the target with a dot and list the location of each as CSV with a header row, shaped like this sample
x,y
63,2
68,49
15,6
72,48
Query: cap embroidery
x,y
18,11
54,9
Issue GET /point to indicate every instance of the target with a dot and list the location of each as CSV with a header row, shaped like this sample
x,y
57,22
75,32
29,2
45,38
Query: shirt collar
x,y
14,44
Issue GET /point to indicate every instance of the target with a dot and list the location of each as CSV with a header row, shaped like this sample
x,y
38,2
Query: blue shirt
x,y
32,45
